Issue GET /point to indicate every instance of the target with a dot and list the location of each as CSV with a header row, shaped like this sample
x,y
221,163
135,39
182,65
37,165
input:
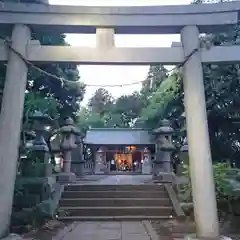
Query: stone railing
x,y
175,202
89,168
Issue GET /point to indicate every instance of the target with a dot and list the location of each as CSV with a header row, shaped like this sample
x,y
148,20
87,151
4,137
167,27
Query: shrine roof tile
x,y
119,136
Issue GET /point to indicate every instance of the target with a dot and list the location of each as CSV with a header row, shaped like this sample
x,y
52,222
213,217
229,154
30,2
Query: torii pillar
x,y
10,122
203,190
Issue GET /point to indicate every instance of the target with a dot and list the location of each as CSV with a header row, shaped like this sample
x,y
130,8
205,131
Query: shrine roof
x,y
119,136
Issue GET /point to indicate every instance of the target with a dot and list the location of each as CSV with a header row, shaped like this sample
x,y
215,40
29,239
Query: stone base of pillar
x,y
66,177
12,236
193,237
164,177
157,168
146,168
78,168
100,168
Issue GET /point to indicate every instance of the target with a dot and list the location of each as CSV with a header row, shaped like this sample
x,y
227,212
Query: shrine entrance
x,y
123,162
125,159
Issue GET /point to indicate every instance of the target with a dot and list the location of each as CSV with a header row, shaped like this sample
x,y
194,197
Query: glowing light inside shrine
x,y
131,148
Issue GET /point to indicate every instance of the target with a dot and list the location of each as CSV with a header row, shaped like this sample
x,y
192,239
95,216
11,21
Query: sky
x,y
117,74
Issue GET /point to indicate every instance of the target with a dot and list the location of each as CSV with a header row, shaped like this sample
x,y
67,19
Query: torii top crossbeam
x,y
107,21
140,20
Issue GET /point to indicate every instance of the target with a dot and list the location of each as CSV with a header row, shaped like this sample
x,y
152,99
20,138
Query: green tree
x,y
155,76
104,111
222,96
165,102
88,119
101,102
67,95
128,107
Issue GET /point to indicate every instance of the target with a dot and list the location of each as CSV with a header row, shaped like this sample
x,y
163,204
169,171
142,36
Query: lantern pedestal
x,y
66,177
165,177
78,160
146,167
69,143
157,166
78,168
13,236
164,147
100,167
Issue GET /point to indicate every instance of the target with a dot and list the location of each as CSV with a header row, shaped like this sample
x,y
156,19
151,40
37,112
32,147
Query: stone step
x,y
114,194
118,211
181,236
183,230
112,218
104,202
143,187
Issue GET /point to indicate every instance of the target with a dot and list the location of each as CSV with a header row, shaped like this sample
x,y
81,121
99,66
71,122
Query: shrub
x,y
223,188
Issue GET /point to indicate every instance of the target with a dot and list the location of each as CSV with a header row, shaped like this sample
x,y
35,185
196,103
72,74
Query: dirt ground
x,y
169,230
46,232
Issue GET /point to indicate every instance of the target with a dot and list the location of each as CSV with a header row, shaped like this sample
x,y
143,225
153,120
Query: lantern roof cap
x,y
69,127
40,116
69,121
39,145
165,128
100,150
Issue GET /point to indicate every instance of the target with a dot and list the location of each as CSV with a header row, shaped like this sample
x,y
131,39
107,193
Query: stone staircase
x,y
115,202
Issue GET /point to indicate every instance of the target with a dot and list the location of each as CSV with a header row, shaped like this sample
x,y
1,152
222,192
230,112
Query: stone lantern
x,y
39,149
69,135
99,162
147,164
164,147
77,156
184,152
184,157
184,147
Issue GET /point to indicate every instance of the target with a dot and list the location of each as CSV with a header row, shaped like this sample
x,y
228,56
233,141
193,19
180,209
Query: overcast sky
x,y
118,74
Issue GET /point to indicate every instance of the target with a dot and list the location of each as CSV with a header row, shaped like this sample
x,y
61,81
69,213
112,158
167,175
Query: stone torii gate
x,y
188,20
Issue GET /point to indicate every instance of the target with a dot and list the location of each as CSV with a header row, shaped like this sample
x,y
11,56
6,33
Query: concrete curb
x,y
150,231
12,236
65,231
193,237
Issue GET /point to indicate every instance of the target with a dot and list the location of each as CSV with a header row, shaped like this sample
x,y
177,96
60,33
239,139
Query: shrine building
x,y
121,149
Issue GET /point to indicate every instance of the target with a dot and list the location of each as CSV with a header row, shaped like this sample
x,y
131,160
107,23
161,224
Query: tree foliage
x,y
104,111
223,189
66,96
100,102
222,97
165,101
162,96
